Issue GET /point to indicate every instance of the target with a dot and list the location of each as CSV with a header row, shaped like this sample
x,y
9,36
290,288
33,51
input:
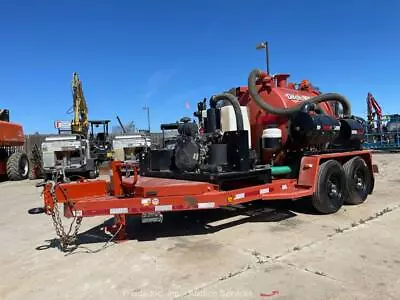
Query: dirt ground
x,y
262,251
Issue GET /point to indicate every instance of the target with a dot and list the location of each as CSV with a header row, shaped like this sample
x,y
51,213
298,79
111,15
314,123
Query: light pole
x,y
146,107
264,45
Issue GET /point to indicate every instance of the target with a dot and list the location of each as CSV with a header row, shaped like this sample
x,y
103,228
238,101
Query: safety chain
x,y
69,238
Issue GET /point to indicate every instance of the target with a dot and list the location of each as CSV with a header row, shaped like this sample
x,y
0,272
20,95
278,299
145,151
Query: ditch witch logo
x,y
294,97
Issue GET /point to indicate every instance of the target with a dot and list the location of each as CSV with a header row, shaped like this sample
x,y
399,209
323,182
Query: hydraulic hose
x,y
255,74
236,107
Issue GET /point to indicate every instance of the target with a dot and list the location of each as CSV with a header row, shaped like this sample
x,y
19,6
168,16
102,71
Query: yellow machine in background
x,y
100,145
81,150
80,123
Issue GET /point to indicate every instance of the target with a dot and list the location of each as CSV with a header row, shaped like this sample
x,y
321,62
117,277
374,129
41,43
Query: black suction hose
x,y
236,107
295,109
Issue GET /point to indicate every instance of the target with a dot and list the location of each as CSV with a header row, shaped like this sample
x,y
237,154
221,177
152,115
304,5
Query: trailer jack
x,y
118,229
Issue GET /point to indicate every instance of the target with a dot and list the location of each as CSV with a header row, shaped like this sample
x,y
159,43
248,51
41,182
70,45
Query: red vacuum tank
x,y
276,91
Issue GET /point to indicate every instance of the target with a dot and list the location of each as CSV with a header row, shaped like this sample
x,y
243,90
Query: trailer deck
x,y
130,195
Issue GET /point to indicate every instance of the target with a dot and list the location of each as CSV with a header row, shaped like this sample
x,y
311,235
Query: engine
x,y
217,146
188,148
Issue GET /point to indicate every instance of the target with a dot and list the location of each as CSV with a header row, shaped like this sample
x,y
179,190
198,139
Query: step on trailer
x,y
270,140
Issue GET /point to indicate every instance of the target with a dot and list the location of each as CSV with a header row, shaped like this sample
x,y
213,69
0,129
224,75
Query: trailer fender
x,y
308,171
309,165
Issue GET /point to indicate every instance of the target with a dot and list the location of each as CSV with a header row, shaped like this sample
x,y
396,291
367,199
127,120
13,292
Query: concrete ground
x,y
263,251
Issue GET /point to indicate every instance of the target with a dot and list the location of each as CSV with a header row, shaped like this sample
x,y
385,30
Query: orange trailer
x,y
271,140
151,197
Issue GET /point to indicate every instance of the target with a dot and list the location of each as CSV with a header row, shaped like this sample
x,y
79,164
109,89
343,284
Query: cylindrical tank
x,y
271,139
284,95
228,120
309,129
350,130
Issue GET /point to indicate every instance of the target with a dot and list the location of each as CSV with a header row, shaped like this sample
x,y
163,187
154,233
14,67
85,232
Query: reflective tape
x,y
77,213
239,196
206,205
119,210
163,207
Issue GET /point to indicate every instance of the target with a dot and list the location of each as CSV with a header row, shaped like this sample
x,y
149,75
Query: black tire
x,y
18,166
31,175
359,181
94,173
3,154
329,193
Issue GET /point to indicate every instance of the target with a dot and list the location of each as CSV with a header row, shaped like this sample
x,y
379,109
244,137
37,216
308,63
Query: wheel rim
x,y
24,167
360,181
334,189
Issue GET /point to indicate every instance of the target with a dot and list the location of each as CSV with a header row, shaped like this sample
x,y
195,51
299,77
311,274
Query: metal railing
x,y
384,134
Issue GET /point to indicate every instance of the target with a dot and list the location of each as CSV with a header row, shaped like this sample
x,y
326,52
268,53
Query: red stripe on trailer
x,y
141,209
133,210
91,213
253,193
178,207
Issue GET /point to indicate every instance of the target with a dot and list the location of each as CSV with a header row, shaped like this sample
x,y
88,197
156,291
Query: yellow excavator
x,y
98,137
80,123
83,148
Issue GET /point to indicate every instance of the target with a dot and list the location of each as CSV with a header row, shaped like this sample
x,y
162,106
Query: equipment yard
x,y
266,250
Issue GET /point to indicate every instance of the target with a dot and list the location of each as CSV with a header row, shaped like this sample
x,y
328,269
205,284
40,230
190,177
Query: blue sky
x,y
167,53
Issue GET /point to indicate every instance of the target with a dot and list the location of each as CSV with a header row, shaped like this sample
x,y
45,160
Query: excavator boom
x,y
80,123
374,108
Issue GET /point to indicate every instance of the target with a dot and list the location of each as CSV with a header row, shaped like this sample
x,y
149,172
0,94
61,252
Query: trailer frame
x,y
135,195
